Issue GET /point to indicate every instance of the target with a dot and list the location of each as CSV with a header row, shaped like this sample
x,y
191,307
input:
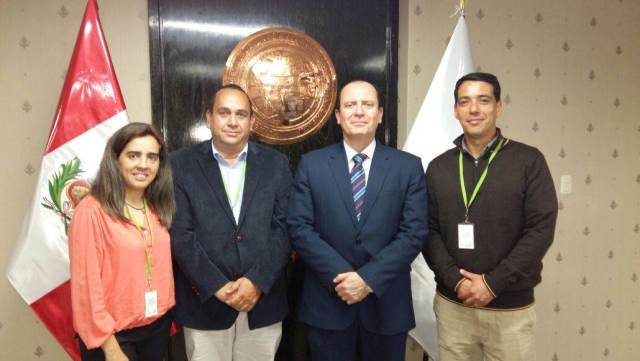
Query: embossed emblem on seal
x,y
291,82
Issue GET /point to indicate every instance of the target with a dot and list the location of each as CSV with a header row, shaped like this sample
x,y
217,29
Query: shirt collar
x,y
488,146
217,156
368,150
461,143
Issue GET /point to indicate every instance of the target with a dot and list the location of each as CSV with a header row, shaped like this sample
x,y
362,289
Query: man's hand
x,y
223,293
464,289
351,288
243,295
478,292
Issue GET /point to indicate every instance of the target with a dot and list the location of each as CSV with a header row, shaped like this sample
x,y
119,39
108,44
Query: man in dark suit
x,y
357,218
229,238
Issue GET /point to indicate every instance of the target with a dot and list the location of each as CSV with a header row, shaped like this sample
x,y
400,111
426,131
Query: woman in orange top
x,y
121,274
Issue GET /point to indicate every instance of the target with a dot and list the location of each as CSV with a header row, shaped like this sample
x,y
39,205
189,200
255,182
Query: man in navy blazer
x,y
229,238
357,218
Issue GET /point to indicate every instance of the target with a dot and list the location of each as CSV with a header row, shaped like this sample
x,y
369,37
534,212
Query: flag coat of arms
x,y
432,133
89,111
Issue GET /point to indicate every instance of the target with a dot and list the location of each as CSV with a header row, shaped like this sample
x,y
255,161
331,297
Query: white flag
x,y
432,133
90,110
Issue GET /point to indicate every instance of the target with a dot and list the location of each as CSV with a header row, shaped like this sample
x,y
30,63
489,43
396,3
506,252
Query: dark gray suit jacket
x,y
210,249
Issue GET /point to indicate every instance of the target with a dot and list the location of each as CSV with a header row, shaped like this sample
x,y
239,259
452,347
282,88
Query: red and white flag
x,y
89,111
433,132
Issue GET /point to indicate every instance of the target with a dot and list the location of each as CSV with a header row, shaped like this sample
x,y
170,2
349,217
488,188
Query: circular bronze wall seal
x,y
291,82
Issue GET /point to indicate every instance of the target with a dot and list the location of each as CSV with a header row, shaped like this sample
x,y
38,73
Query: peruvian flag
x,y
89,111
432,133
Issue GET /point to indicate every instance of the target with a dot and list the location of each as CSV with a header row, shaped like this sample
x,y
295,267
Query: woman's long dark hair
x,y
109,186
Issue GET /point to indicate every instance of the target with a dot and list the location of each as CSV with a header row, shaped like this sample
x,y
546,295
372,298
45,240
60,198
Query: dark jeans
x,y
145,343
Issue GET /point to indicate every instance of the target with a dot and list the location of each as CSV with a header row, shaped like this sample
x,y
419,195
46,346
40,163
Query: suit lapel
x,y
377,175
339,169
211,172
255,171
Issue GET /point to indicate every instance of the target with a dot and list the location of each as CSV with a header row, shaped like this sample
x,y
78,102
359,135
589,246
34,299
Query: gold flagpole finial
x,y
460,8
462,5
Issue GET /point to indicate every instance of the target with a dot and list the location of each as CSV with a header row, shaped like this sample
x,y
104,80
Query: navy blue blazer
x,y
209,248
329,239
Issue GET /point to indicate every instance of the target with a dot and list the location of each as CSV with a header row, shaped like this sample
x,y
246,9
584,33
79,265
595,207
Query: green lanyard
x,y
234,202
148,246
467,202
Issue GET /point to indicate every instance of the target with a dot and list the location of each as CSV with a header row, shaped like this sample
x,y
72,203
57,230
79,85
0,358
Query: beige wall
x,y
589,302
579,105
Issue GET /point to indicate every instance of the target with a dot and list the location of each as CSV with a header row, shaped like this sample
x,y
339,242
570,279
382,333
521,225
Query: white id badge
x,y
465,236
150,303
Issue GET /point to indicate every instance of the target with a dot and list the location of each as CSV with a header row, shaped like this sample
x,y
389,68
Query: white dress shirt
x,y
368,151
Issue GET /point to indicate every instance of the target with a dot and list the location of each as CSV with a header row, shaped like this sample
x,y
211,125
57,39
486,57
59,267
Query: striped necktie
x,y
358,184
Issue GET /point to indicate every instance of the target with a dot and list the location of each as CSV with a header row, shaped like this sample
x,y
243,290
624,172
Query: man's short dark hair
x,y
478,76
235,87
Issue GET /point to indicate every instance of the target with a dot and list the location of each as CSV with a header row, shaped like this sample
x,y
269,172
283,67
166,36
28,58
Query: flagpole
x,y
431,134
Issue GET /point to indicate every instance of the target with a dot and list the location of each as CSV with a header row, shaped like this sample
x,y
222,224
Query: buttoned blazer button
x,y
238,238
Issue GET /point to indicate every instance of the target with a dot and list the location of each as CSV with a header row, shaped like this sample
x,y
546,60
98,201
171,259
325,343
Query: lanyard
x,y
148,246
467,202
234,201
